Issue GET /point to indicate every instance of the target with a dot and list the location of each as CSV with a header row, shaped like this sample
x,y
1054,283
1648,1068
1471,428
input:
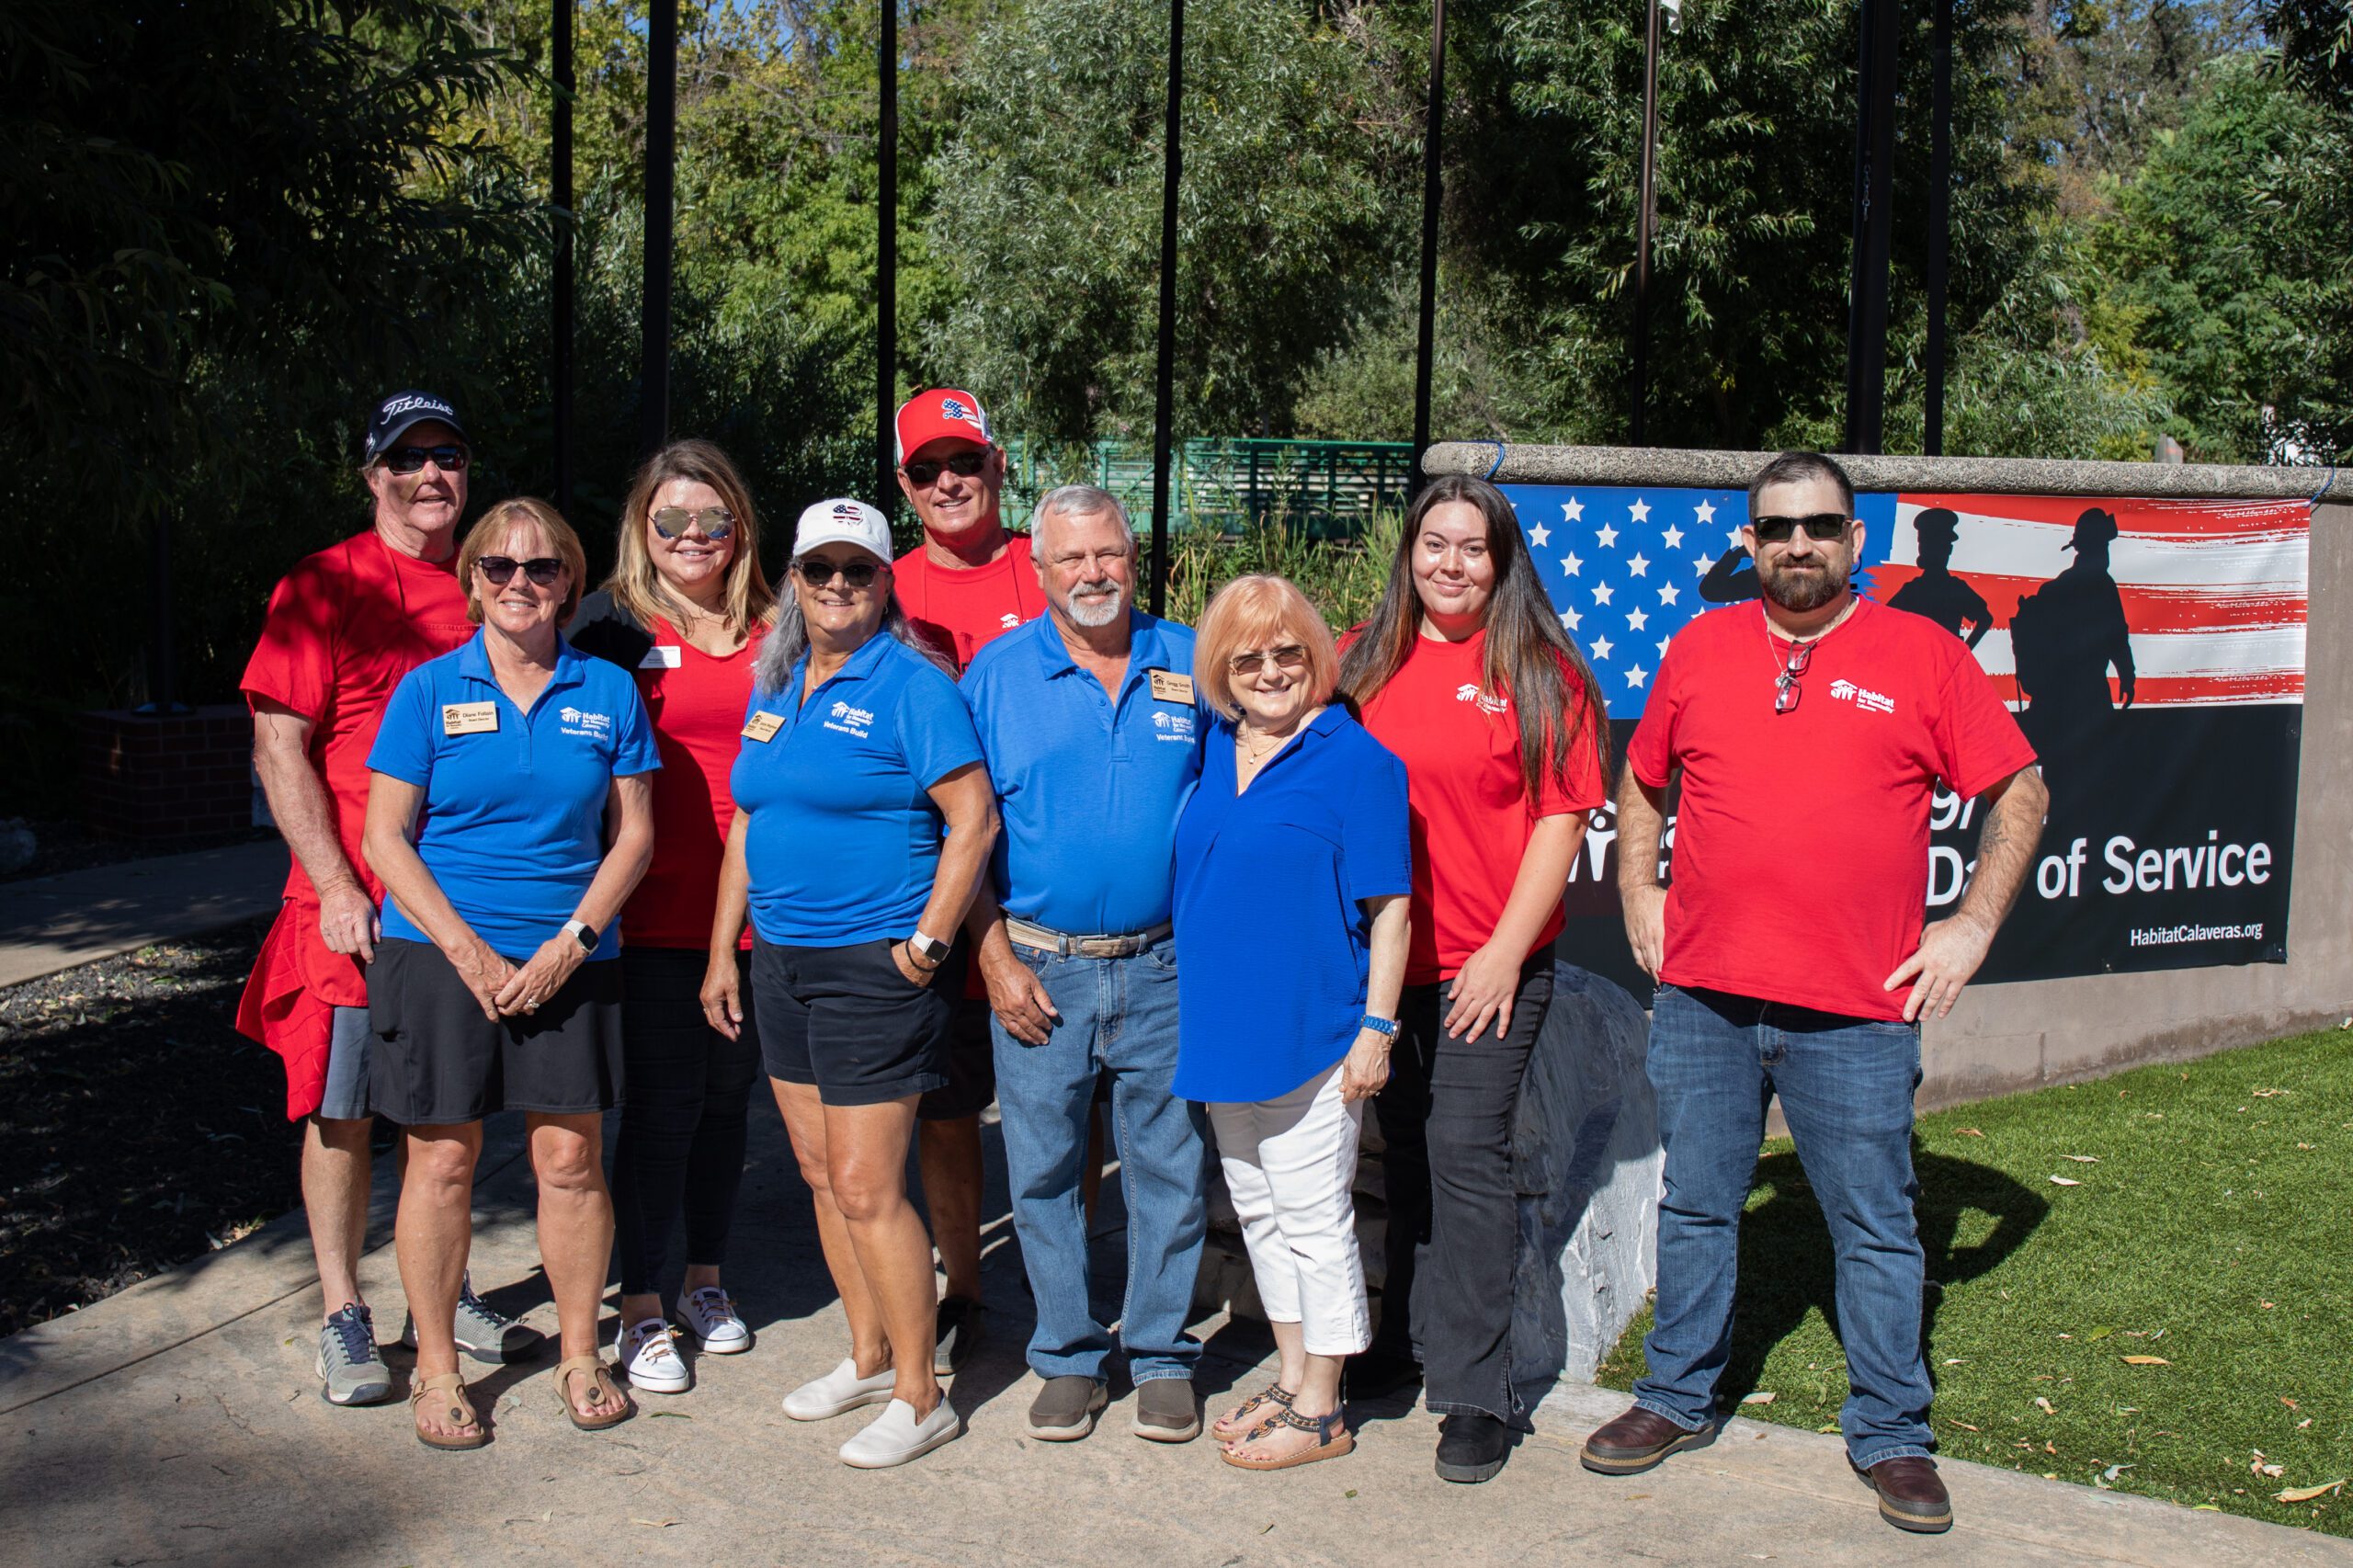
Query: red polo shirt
x,y
1800,858
959,611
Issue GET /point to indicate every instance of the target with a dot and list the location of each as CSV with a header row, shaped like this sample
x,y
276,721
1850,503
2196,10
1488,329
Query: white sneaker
x,y
650,1360
711,1318
839,1390
895,1436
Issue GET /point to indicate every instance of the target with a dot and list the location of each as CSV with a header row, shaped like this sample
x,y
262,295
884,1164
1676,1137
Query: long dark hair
x,y
1528,657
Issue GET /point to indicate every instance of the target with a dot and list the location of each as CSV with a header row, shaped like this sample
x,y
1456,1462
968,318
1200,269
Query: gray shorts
x,y
347,1092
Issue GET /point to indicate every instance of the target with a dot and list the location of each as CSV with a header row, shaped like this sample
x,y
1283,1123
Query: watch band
x,y
931,948
1387,1027
585,934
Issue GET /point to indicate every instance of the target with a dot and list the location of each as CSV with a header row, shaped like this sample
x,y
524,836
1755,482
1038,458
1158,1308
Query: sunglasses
x,y
717,522
410,460
817,573
1822,526
925,472
1786,689
1289,656
500,569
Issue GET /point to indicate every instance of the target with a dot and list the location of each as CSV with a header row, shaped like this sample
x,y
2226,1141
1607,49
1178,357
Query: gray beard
x,y
1103,615
1803,594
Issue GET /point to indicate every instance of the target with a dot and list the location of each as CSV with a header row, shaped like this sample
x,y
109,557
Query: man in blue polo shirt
x,y
1093,737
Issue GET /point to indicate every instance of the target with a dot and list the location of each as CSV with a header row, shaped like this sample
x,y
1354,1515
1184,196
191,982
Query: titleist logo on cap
x,y
408,405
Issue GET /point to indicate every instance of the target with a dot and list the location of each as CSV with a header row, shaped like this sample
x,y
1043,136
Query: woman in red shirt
x,y
1464,672
685,609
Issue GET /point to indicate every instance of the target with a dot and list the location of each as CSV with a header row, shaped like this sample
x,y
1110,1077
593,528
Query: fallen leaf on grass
x,y
1756,1399
2286,1401
2147,1362
657,1524
2274,1471
2306,1494
2082,1159
2044,1405
2102,1332
2064,1181
2304,1423
1962,1424
1971,1132
2112,1471
2271,1094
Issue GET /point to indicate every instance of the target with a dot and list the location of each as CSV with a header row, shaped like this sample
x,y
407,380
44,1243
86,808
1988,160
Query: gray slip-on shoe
x,y
1065,1409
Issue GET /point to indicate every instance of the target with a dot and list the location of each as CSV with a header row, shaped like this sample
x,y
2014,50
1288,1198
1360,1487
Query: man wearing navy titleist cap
x,y
1094,737
342,629
968,582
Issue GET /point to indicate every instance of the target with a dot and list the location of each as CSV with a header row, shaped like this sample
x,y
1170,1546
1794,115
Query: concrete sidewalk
x,y
179,1421
48,923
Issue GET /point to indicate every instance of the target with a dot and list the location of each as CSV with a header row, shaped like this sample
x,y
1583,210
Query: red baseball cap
x,y
943,410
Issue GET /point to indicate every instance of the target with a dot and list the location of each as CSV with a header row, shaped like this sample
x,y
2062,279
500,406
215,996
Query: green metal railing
x,y
1330,489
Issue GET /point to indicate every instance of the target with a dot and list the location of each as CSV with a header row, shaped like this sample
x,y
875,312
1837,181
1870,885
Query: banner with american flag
x,y
2154,652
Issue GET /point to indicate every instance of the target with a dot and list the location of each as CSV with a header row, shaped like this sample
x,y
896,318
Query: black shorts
x,y
971,1051
437,1060
847,1021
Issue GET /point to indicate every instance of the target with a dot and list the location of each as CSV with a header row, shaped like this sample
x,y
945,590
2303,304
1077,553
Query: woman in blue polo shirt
x,y
863,822
499,770
1294,864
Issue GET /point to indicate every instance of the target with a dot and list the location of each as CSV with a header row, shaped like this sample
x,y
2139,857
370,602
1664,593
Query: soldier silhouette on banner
x,y
1936,592
2064,637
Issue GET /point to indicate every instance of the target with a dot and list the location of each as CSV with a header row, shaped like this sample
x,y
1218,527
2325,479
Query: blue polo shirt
x,y
1089,788
513,829
1272,946
844,841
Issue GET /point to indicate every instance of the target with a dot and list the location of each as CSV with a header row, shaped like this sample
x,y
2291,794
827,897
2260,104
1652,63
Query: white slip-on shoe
x,y
650,1360
842,1388
719,1329
895,1436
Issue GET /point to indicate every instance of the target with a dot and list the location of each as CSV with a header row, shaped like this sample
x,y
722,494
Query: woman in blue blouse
x,y
1294,863
499,769
857,751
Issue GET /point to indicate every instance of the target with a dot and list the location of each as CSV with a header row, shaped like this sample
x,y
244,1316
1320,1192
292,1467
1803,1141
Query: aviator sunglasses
x,y
1289,656
672,522
410,460
1821,526
500,569
817,573
924,472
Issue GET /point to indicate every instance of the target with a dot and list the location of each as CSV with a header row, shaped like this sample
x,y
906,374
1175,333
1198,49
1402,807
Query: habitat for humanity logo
x,y
849,720
587,726
1469,693
1869,702
1172,726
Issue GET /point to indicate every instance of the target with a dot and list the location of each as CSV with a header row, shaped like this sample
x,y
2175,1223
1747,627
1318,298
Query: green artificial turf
x,y
2209,1228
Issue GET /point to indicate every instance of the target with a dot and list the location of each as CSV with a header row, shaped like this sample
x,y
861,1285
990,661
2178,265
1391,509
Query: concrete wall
x,y
2002,1037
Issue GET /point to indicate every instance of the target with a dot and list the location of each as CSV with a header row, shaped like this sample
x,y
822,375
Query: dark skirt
x,y
439,1061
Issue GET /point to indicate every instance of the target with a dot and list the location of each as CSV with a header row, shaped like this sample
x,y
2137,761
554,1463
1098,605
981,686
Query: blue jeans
x,y
1117,1016
1846,1086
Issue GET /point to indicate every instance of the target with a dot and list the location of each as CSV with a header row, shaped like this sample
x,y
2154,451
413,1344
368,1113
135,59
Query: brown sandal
x,y
1333,1439
591,1366
1235,1424
459,1412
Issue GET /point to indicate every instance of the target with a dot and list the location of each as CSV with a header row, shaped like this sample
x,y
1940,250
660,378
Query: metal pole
x,y
1643,225
1932,431
1874,229
1172,172
661,183
161,676
560,327
1433,190
886,266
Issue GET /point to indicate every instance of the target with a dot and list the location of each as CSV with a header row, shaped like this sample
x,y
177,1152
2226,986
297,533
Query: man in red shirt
x,y
1810,729
968,582
342,629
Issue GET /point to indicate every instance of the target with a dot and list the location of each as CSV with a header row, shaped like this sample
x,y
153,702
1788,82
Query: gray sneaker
x,y
1165,1411
349,1371
482,1333
1065,1409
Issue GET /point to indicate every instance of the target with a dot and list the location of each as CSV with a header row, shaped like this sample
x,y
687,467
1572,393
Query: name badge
x,y
661,656
1169,687
761,727
469,718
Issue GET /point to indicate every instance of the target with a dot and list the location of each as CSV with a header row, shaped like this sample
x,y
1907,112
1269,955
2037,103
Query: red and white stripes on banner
x,y
2214,592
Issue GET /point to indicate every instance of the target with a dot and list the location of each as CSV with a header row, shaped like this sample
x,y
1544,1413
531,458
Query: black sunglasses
x,y
500,569
410,460
925,471
672,522
817,573
1823,526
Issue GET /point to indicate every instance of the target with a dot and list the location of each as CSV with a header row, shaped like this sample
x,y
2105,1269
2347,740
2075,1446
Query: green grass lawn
x,y
2208,1226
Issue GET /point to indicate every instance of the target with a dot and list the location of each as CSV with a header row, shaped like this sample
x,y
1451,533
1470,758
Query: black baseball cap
x,y
401,410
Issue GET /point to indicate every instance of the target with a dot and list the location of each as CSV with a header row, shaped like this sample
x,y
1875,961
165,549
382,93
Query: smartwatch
x,y
931,950
584,933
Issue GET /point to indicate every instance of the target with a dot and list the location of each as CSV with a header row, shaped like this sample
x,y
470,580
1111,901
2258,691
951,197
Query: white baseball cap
x,y
842,521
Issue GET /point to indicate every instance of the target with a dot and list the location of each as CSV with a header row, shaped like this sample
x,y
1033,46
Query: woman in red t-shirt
x,y
685,609
1464,672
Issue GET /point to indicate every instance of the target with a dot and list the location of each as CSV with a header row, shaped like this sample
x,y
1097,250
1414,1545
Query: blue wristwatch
x,y
1378,1025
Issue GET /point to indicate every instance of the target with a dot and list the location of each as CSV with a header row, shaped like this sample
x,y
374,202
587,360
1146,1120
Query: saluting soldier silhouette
x,y
1936,592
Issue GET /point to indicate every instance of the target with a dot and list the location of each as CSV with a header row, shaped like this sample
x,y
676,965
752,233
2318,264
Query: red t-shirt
x,y
697,703
1472,814
1800,861
342,629
959,611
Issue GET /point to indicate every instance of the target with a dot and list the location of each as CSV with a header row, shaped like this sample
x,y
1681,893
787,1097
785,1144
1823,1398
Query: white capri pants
x,y
1290,1164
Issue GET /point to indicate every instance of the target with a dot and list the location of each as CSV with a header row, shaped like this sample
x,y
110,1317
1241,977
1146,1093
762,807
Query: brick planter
x,y
151,777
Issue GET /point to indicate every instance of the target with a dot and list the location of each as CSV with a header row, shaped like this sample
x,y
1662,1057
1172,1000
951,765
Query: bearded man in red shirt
x,y
1810,729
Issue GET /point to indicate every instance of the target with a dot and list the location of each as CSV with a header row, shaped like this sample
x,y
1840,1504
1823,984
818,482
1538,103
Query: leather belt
x,y
1067,945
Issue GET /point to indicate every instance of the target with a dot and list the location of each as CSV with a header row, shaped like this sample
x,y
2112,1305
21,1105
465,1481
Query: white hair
x,y
1080,501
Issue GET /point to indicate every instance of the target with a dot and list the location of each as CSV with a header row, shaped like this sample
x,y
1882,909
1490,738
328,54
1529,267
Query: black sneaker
x,y
956,1335
1472,1446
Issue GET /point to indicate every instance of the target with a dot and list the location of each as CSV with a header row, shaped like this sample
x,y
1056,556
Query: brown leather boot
x,y
1638,1440
1911,1496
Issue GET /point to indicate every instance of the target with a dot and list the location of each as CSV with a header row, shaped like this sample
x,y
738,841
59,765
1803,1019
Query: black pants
x,y
1445,1118
681,1143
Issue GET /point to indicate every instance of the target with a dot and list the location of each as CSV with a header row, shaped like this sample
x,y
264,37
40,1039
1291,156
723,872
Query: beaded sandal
x,y
1333,1439
1235,1424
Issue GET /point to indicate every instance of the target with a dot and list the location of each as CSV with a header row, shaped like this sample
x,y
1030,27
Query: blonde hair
x,y
638,589
489,535
1253,612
